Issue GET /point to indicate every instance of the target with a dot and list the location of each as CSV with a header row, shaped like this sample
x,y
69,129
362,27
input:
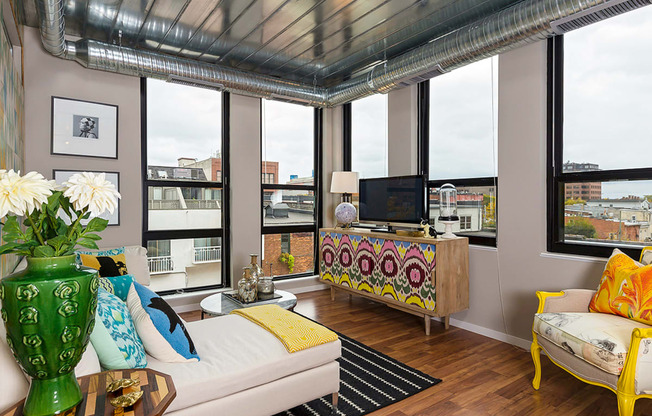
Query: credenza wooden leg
x,y
426,319
332,293
447,321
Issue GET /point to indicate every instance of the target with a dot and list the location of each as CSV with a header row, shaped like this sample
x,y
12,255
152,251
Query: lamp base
x,y
345,213
448,229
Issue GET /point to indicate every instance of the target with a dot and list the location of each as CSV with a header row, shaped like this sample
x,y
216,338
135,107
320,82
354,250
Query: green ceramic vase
x,y
49,313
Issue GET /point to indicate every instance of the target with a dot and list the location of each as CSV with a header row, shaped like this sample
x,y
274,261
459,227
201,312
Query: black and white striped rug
x,y
369,380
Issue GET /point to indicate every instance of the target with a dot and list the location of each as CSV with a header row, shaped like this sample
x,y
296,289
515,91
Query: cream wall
x,y
47,76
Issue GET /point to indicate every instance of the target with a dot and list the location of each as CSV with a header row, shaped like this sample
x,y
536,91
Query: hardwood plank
x,y
481,376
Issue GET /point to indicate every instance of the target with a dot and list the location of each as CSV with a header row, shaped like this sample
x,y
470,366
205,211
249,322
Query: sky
x,y
607,97
182,121
607,91
369,136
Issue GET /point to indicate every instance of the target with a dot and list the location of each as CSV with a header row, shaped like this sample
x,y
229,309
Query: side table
x,y
219,304
158,388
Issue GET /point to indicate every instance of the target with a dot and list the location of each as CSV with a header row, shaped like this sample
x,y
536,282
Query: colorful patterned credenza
x,y
422,276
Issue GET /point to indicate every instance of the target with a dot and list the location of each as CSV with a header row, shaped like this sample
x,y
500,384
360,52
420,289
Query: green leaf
x,y
11,225
96,224
57,241
43,251
62,227
92,236
11,237
54,201
9,248
84,242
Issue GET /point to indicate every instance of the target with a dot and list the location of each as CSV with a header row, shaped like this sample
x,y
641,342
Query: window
x,y
600,185
458,145
290,183
369,136
185,208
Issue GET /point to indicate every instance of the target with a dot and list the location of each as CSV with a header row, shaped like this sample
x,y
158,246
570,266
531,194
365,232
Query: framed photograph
x,y
84,128
60,176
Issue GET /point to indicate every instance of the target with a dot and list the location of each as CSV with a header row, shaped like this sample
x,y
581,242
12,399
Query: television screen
x,y
398,199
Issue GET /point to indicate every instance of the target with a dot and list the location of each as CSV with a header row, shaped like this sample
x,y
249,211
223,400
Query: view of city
x,y
604,211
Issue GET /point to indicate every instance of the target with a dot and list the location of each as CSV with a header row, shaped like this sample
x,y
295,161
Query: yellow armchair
x,y
632,382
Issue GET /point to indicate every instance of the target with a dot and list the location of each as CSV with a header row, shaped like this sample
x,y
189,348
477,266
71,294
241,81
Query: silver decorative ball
x,y
345,213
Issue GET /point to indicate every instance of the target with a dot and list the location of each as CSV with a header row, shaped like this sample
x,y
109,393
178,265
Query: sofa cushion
x,y
625,289
114,337
236,355
162,331
135,258
108,263
13,382
598,338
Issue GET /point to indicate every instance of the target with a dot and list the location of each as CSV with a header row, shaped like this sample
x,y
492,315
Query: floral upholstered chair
x,y
612,349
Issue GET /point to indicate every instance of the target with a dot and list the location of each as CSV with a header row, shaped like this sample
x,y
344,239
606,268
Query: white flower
x,y
91,190
20,195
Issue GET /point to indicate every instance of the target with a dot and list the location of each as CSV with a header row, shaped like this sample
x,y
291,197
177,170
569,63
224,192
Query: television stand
x,y
423,276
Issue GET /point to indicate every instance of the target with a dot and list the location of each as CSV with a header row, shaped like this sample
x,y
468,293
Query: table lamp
x,y
345,183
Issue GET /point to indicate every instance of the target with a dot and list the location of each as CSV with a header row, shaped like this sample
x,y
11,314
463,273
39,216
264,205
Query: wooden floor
x,y
481,376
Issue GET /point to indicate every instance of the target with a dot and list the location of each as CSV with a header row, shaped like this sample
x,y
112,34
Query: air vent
x,y
287,99
195,83
420,77
596,14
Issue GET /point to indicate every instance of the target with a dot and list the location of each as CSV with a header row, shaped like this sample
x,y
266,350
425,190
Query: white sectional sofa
x,y
244,370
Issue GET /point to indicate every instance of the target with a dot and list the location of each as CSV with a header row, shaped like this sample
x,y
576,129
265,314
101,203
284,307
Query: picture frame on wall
x,y
84,128
62,175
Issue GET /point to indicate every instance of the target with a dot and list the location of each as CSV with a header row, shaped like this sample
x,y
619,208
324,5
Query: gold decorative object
x,y
126,400
121,384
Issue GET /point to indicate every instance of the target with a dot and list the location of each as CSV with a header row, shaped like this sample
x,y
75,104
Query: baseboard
x,y
497,335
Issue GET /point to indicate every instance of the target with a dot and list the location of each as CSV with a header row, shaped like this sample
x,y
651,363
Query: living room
x,y
211,170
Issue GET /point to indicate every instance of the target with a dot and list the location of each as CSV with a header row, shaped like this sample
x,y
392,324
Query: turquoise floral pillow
x,y
114,337
121,285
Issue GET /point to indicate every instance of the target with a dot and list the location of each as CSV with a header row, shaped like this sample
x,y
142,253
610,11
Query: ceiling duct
x,y
525,22
596,14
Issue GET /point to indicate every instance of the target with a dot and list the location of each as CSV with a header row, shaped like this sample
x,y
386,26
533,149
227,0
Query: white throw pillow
x,y
13,382
89,363
160,343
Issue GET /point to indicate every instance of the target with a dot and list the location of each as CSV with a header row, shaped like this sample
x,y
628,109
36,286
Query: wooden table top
x,y
158,388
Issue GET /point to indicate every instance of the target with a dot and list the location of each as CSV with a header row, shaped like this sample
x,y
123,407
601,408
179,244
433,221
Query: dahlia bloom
x,y
92,191
20,195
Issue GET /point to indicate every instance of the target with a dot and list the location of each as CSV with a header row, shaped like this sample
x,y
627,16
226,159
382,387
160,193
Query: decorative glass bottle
x,y
256,270
247,286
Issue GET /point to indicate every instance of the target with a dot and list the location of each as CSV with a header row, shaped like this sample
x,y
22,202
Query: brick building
x,y
301,245
212,168
584,190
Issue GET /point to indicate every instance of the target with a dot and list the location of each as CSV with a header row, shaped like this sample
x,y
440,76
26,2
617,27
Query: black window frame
x,y
224,231
556,178
316,188
423,132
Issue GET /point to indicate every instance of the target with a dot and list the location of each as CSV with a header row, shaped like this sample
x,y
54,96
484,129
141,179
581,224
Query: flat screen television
x,y
398,200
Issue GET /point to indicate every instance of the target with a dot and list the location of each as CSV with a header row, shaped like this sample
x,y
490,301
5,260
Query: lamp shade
x,y
344,183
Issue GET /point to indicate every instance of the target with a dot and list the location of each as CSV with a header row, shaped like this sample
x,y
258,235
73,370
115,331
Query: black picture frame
x,y
99,136
112,222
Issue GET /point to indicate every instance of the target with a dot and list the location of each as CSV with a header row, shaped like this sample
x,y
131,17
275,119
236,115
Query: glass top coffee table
x,y
219,304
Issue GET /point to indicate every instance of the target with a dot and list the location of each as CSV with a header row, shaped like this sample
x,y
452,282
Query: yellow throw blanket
x,y
294,331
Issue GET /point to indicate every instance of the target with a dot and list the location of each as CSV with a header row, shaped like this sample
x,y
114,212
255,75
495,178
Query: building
x,y
585,190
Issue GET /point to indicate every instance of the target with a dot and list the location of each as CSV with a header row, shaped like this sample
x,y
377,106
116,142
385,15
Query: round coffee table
x,y
219,304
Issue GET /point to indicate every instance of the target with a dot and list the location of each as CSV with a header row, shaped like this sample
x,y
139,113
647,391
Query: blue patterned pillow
x,y
110,253
106,284
162,331
114,337
121,285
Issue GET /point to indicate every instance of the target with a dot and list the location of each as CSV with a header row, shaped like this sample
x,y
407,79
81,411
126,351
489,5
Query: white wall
x,y
505,279
47,76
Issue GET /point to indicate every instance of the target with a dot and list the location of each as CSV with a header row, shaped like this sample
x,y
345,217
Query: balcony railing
x,y
161,264
208,254
166,204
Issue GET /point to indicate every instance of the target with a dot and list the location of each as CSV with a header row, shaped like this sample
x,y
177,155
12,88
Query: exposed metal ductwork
x,y
523,23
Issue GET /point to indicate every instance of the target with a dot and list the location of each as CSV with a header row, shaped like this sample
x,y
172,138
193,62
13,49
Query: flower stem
x,y
37,230
74,225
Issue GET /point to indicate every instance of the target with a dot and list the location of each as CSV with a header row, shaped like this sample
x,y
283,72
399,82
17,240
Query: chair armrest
x,y
635,377
569,300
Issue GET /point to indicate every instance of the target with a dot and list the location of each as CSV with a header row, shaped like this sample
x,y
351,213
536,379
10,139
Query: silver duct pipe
x,y
525,22
140,63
